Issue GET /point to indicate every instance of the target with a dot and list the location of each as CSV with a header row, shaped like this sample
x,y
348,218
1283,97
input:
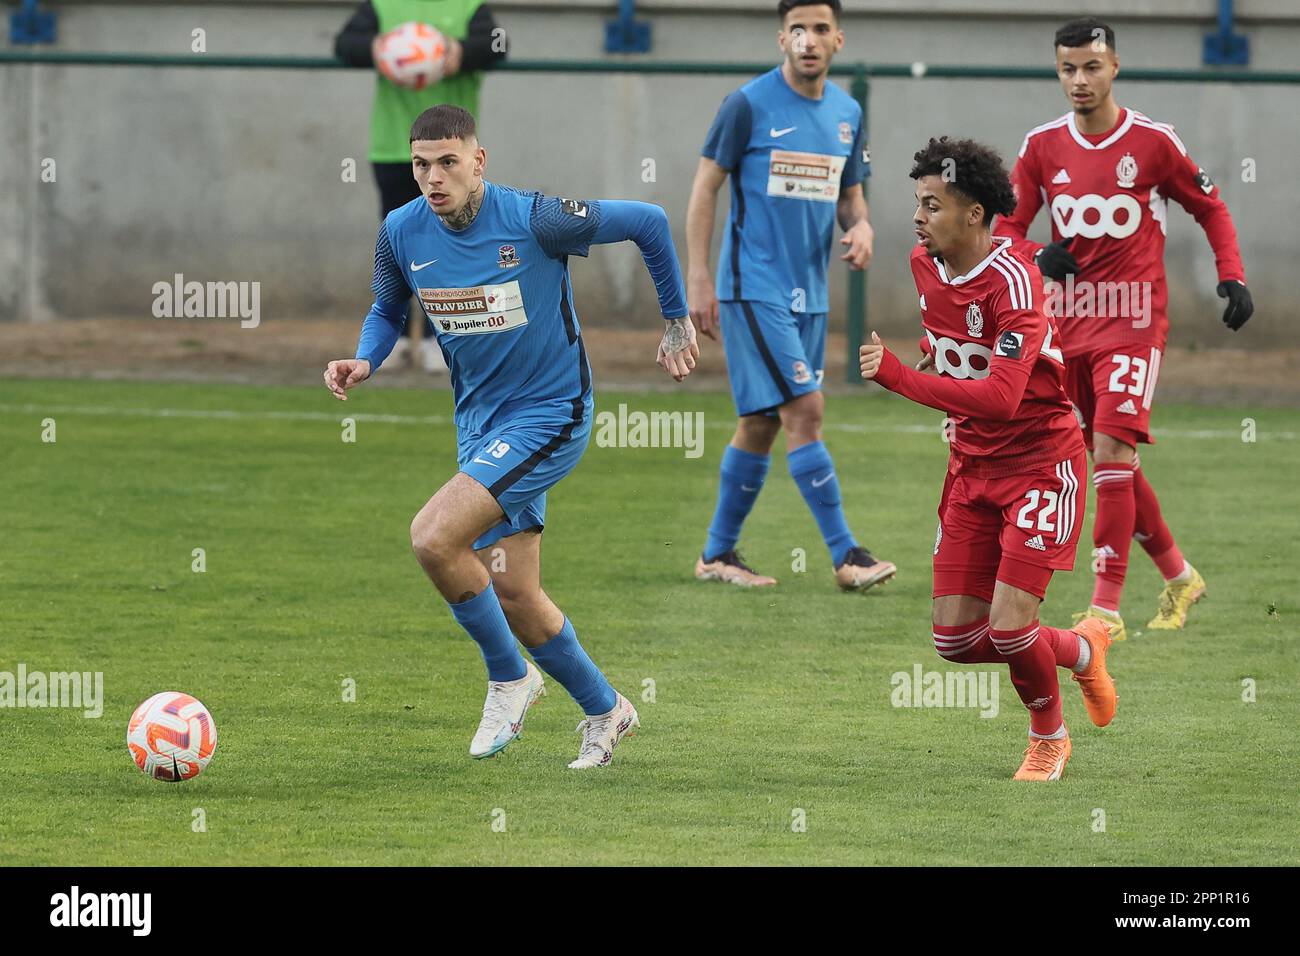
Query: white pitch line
x,y
728,424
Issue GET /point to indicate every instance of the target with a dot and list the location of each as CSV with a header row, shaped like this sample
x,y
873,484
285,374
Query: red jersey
x,y
1001,374
1110,192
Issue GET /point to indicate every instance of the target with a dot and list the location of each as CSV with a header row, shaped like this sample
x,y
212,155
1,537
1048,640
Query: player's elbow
x,y
657,216
654,225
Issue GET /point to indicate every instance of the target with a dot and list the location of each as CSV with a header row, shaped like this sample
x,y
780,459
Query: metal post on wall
x,y
1223,47
627,34
30,25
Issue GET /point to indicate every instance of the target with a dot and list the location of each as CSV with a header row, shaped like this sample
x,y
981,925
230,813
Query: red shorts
x,y
1017,530
1112,389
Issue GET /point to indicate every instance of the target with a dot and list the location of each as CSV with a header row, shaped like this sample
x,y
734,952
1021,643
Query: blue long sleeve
x,y
647,225
568,227
387,317
380,332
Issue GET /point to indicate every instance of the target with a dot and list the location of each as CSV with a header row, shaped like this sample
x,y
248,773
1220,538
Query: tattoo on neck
x,y
462,217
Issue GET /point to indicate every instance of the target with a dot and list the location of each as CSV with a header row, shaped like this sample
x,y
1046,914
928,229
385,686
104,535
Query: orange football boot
x,y
1095,682
1044,759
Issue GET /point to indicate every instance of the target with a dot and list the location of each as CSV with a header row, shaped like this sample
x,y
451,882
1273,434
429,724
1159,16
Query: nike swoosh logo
x,y
747,488
480,461
818,484
778,133
415,268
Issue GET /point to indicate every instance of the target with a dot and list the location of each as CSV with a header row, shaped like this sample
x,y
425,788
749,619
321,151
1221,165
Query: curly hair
x,y
971,169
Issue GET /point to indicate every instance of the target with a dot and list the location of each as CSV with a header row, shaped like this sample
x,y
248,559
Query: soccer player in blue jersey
x,y
794,147
489,264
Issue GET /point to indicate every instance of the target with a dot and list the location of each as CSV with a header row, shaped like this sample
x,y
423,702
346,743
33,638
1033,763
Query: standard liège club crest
x,y
1126,171
974,320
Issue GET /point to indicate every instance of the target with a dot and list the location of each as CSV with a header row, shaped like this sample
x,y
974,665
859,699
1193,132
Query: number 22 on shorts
x,y
1045,502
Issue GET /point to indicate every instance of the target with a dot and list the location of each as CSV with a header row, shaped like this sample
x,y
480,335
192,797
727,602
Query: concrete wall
x,y
236,174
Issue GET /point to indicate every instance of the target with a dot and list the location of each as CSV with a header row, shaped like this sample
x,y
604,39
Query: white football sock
x,y
1085,656
1060,734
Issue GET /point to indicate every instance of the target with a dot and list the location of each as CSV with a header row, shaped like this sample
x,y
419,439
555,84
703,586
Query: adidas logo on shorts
x,y
1127,407
1036,542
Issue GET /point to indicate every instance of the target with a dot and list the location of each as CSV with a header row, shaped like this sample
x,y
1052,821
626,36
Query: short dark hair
x,y
785,6
1084,32
444,122
971,169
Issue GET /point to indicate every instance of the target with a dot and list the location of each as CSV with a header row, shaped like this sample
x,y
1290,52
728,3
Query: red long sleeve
x,y
994,398
1029,199
1190,187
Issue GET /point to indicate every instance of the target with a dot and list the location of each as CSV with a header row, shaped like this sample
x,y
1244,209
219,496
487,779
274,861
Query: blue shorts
x,y
518,461
773,355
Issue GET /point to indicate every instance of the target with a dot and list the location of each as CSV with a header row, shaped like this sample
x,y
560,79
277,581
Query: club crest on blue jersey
x,y
846,133
507,257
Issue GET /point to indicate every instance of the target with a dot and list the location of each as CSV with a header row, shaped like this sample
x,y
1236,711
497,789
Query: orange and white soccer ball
x,y
171,736
412,55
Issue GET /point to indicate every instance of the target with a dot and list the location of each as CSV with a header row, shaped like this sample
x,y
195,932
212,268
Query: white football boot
x,y
503,711
601,734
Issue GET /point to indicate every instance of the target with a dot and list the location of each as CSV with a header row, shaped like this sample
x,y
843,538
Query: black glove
x,y
1055,262
1240,307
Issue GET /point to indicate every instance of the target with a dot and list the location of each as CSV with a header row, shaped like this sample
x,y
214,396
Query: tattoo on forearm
x,y
462,217
677,337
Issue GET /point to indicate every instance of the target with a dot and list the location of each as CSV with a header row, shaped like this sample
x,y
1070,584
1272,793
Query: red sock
x,y
1064,645
1150,529
1033,671
1112,532
966,643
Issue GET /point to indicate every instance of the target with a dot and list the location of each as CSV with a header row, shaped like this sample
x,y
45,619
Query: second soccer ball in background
x,y
411,55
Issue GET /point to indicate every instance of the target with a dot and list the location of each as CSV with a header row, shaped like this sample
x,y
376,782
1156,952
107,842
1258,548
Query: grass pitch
x,y
764,704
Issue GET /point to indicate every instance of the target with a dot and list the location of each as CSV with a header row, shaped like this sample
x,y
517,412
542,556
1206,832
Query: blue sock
x,y
564,659
742,478
814,472
483,618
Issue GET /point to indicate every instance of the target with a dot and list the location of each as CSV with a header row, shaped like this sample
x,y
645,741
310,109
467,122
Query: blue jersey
x,y
789,156
499,296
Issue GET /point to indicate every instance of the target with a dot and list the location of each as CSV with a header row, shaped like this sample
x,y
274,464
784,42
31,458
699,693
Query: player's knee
x,y
802,418
757,432
804,432
432,541
514,603
1111,451
528,613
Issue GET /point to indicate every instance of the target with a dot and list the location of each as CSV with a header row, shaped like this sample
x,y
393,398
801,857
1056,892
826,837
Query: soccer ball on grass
x,y
171,736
